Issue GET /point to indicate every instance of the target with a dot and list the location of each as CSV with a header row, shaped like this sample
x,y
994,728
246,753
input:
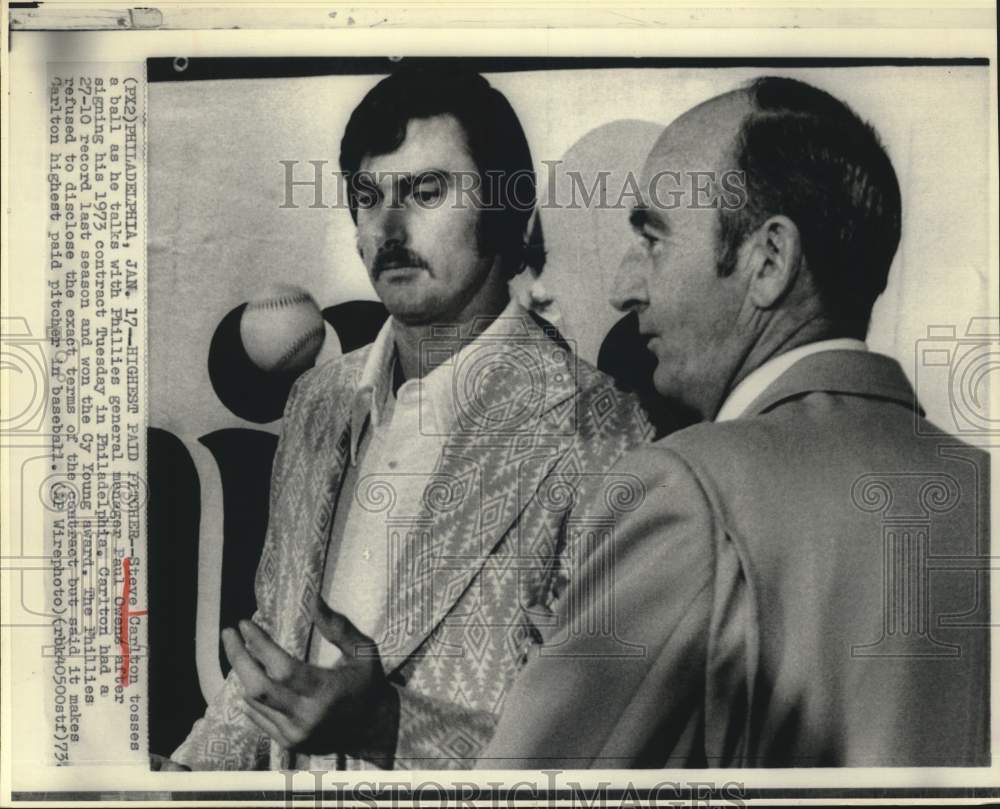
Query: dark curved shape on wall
x,y
625,357
244,458
174,515
357,323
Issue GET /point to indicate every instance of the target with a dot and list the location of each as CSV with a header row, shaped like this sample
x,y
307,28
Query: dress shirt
x,y
760,379
395,445
396,441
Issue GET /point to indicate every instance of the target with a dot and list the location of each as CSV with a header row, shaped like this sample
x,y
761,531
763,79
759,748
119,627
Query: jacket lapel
x,y
858,373
311,508
509,434
309,519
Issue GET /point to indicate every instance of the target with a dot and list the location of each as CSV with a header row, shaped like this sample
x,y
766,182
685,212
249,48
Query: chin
x,y
410,310
671,388
666,384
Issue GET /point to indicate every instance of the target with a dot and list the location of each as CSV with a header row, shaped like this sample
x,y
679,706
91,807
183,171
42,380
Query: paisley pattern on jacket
x,y
474,574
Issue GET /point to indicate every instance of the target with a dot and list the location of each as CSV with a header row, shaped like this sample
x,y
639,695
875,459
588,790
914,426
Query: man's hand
x,y
158,763
350,708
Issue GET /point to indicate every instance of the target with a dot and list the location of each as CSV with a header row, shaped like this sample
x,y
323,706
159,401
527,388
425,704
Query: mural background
x,y
218,235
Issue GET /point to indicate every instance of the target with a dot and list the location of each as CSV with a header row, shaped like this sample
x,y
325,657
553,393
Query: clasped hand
x,y
349,708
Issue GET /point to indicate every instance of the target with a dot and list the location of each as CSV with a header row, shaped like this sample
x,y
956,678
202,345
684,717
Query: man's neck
x,y
409,337
777,338
783,340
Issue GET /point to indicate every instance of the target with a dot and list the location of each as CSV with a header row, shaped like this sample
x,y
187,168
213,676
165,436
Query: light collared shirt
x,y
391,461
760,379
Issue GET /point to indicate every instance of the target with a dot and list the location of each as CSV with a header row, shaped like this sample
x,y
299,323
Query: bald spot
x,y
700,140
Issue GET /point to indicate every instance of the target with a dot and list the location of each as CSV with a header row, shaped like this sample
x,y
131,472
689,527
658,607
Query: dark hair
x,y
493,133
808,156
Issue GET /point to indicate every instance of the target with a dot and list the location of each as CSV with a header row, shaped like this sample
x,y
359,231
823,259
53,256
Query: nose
x,y
391,227
628,286
381,228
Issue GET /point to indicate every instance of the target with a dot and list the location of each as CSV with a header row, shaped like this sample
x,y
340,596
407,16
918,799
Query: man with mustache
x,y
416,539
776,578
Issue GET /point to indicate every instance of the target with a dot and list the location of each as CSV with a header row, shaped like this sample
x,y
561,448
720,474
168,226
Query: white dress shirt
x,y
396,442
391,460
758,380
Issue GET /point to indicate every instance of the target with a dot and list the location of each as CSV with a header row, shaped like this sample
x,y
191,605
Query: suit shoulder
x,y
701,439
662,487
658,459
843,431
738,450
330,378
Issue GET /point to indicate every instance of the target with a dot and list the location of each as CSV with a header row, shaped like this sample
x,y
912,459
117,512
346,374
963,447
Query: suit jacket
x,y
807,584
478,565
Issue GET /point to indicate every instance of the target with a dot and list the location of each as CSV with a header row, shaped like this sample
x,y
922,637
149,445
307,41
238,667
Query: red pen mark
x,y
123,615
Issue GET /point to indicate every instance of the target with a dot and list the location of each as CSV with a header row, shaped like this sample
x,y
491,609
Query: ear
x,y
774,261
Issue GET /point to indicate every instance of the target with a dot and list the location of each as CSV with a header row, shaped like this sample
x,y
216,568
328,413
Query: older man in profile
x,y
775,575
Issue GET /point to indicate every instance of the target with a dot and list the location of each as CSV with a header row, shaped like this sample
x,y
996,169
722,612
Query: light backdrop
x,y
218,233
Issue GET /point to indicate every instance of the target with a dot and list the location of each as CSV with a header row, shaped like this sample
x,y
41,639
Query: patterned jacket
x,y
477,569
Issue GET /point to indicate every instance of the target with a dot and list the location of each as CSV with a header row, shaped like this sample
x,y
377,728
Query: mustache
x,y
394,257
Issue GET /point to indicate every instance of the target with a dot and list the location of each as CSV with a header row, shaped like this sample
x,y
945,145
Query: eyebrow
x,y
413,178
641,217
432,173
638,218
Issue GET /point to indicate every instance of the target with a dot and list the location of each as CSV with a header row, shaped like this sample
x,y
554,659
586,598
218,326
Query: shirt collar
x,y
374,385
438,386
760,379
